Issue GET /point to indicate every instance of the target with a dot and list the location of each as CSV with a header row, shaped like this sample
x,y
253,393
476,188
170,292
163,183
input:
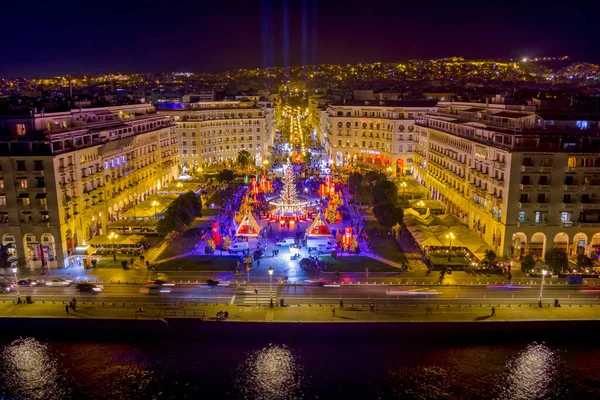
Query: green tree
x,y
225,175
354,181
490,256
180,214
584,261
527,264
388,214
372,177
243,158
5,259
557,260
385,191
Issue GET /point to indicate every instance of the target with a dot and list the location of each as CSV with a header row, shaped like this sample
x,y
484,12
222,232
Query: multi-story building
x,y
374,132
62,183
523,181
215,132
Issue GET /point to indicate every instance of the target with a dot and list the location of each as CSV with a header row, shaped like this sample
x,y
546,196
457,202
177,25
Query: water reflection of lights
x,y
29,371
272,372
533,374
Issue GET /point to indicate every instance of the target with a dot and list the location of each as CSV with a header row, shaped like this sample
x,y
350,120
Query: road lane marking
x,y
232,299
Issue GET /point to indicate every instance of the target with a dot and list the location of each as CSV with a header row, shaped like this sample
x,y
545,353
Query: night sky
x,y
45,38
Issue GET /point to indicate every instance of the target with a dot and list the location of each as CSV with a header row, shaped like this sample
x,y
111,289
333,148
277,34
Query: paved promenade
x,y
303,313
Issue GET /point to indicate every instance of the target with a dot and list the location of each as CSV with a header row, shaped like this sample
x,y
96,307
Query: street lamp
x,y
450,236
113,236
271,285
403,185
155,203
544,272
14,270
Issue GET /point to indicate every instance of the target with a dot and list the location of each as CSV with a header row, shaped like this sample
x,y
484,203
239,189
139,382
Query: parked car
x,y
258,254
237,247
308,263
288,241
212,282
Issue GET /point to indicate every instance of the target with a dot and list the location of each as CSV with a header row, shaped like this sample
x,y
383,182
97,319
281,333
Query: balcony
x,y
522,223
543,206
527,168
544,188
590,188
570,188
500,165
40,189
571,169
541,223
526,186
545,169
586,224
37,172
590,206
524,205
567,224
567,206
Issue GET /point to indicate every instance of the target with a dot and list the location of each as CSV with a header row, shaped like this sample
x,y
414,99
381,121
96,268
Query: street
x,y
313,293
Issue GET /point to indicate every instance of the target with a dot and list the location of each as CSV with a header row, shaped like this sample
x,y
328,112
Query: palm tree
x,y
243,158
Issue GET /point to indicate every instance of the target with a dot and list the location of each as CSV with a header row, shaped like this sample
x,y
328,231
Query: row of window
x,y
364,125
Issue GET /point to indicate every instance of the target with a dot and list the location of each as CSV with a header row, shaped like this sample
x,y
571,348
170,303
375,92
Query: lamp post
x,y
14,270
544,272
450,236
271,285
403,185
155,203
113,236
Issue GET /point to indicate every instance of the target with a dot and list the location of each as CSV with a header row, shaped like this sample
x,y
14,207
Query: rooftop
x,y
387,103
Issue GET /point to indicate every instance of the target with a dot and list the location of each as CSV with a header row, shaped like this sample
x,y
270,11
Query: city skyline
x,y
217,37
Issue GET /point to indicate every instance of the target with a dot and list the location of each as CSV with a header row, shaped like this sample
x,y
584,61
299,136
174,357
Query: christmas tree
x,y
288,192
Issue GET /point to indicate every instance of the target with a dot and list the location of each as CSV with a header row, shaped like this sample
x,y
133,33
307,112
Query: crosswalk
x,y
260,298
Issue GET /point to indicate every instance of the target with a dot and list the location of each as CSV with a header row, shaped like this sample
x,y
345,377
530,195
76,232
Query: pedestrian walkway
x,y
262,297
412,253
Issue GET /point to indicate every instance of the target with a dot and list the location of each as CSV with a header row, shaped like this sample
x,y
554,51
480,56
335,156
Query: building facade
x,y
518,181
380,133
213,133
63,183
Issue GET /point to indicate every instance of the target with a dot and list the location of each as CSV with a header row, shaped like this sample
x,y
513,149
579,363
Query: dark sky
x,y
44,38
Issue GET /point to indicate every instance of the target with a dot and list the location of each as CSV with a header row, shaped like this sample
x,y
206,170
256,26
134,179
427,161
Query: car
x,y
258,254
159,282
237,247
308,263
212,282
89,287
288,241
154,290
27,282
58,282
5,287
320,282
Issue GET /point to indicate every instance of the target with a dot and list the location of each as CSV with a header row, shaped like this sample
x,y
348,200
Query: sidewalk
x,y
294,313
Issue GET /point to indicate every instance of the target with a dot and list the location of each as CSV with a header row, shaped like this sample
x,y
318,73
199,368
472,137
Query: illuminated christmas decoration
x,y
319,227
216,236
248,226
288,204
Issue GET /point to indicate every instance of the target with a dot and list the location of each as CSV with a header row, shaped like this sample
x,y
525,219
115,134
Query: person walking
x,y
493,311
333,312
67,309
341,304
